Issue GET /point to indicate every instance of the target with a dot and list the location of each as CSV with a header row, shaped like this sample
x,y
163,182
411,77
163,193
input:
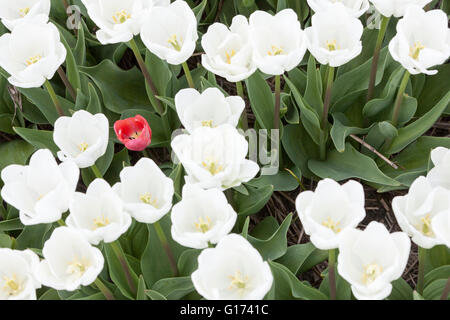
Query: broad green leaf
x,y
33,236
442,272
41,139
313,92
11,225
261,100
94,106
174,288
102,164
15,152
282,181
250,204
300,258
401,290
154,295
341,129
141,289
72,71
434,290
187,263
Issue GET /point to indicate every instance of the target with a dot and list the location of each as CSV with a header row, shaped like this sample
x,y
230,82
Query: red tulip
x,y
134,133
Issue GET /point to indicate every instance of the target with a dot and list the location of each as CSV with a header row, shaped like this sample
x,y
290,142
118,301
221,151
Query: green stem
x,y
446,291
421,275
188,74
331,273
323,145
326,107
244,118
276,118
115,246
102,287
399,99
61,223
145,153
210,245
67,83
96,172
376,56
155,102
54,98
163,239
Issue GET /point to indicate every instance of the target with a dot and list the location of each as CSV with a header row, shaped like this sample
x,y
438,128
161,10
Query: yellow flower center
x,y
238,281
371,272
230,55
276,51
174,42
100,222
147,199
332,45
331,224
203,225
426,226
83,146
24,11
12,287
207,123
121,16
33,59
76,267
414,51
212,166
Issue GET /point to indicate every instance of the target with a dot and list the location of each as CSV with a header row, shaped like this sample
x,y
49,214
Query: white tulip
x,y
356,8
31,53
278,41
422,40
15,12
119,20
396,8
215,157
416,211
329,210
228,52
41,191
441,227
145,191
334,37
233,270
440,174
70,261
201,217
371,259
208,109
171,32
17,280
82,138
99,214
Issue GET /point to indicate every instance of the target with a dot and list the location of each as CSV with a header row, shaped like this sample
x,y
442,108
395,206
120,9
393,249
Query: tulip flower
x,y
329,210
233,270
17,279
228,52
422,40
278,41
440,174
334,37
99,214
145,191
119,20
41,191
416,211
13,13
171,32
82,138
371,259
208,109
202,217
441,227
355,8
215,157
31,53
396,8
135,133
69,261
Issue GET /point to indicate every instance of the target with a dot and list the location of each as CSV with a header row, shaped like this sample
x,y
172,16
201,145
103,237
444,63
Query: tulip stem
x,y
54,98
61,223
276,118
446,290
326,107
102,287
421,275
188,74
244,118
331,273
116,247
163,239
96,171
399,99
376,57
155,102
145,153
67,83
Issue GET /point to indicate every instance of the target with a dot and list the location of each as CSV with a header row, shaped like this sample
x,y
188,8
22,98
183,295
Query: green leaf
x,y
154,295
188,262
141,289
442,272
198,10
160,72
434,290
33,236
174,288
73,74
253,202
41,139
313,92
261,100
343,289
11,225
120,160
350,164
94,106
300,258
15,152
282,181
341,129
401,290
102,164
50,294
5,241
435,88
